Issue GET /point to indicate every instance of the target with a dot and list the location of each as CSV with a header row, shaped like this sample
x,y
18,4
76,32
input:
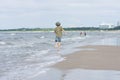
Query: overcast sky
x,y
44,13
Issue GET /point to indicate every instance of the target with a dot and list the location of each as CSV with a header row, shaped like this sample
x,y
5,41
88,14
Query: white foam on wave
x,y
51,57
44,61
73,38
2,42
24,73
37,55
44,51
42,37
13,34
46,64
34,71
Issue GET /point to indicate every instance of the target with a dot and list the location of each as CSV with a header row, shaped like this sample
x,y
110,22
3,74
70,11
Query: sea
x,y
29,55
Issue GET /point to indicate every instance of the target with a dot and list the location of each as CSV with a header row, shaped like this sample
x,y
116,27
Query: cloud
x,y
70,12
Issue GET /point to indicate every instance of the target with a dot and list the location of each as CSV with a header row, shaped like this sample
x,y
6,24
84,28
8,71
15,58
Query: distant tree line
x,y
91,28
67,29
81,28
29,29
116,28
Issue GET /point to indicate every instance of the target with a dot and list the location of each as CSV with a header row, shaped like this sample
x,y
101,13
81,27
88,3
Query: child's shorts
x,y
58,39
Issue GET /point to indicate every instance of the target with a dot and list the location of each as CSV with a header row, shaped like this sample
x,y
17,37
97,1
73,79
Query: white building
x,y
105,26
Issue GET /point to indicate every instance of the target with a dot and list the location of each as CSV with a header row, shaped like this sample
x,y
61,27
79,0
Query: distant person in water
x,y
58,32
82,33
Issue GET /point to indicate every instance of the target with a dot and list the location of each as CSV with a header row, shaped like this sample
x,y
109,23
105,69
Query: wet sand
x,y
95,58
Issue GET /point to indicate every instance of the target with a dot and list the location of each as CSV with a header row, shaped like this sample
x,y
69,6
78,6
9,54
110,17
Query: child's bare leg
x,y
56,45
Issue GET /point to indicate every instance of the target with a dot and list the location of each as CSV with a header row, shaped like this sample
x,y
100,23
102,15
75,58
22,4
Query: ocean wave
x,y
73,38
39,37
2,43
37,55
42,37
12,34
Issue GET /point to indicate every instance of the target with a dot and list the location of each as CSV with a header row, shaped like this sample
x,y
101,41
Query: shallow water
x,y
82,74
26,53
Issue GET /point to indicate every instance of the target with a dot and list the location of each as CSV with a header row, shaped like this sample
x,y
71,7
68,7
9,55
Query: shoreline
x,y
98,57
117,31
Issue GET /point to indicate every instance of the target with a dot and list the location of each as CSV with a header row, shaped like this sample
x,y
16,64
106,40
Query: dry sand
x,y
102,58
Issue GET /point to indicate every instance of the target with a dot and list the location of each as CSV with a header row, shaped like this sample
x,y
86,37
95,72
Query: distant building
x,y
118,23
106,26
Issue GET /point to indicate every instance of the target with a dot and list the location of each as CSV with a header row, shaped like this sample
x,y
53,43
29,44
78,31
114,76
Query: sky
x,y
45,13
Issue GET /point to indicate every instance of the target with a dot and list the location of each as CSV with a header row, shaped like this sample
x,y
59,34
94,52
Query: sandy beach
x,y
98,62
96,57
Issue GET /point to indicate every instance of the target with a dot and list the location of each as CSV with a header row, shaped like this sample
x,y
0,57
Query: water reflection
x,y
81,74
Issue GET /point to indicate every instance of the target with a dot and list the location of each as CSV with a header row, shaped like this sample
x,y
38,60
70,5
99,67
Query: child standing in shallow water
x,y
58,32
